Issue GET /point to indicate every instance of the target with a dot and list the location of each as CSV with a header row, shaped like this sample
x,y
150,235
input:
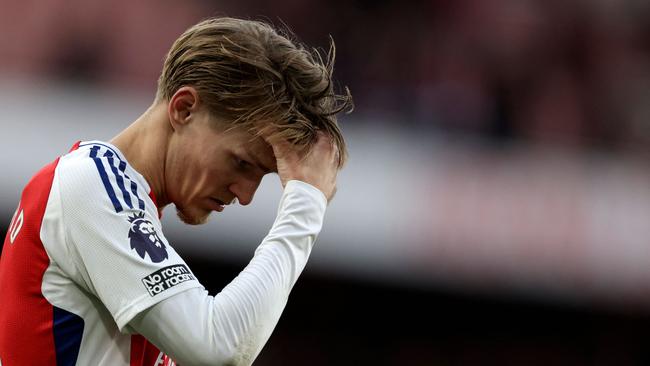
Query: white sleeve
x,y
111,245
232,327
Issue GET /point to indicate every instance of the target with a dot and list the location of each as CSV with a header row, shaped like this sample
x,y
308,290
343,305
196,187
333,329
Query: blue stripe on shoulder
x,y
134,189
118,177
93,144
134,186
107,183
68,330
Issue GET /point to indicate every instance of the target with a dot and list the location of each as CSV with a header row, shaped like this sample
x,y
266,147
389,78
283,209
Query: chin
x,y
192,217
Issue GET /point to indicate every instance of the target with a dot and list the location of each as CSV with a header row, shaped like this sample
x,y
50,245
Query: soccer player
x,y
87,276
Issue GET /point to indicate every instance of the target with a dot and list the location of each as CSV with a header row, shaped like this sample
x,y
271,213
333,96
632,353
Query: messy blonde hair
x,y
257,78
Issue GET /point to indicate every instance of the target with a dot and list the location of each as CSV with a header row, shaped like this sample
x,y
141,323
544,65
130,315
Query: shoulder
x,y
97,175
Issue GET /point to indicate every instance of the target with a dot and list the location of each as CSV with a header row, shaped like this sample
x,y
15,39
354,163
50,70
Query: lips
x,y
217,204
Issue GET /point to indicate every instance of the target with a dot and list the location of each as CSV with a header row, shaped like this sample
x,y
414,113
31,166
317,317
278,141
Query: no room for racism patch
x,y
166,278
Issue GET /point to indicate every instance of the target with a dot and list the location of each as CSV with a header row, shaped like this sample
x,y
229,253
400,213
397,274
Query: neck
x,y
144,144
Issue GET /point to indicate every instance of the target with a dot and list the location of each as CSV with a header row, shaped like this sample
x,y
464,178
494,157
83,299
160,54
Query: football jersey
x,y
84,254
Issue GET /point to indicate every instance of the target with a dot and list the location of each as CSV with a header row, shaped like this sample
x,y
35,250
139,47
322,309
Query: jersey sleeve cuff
x,y
306,188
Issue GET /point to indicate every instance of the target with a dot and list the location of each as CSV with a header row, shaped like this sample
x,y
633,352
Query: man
x,y
86,274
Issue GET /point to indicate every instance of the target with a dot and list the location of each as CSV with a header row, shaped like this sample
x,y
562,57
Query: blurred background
x,y
496,207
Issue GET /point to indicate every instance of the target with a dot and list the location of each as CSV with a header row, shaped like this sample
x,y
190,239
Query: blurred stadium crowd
x,y
562,72
573,75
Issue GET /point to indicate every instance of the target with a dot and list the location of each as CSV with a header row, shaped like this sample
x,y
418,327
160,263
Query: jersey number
x,y
16,225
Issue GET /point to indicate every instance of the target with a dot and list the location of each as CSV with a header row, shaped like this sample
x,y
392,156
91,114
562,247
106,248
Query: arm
x,y
232,327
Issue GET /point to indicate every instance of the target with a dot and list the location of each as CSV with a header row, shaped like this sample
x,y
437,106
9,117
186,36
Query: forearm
x,y
232,327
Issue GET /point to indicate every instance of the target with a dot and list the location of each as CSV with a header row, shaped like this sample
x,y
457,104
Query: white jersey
x,y
103,259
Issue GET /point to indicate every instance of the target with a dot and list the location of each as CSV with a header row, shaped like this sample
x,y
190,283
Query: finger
x,y
336,155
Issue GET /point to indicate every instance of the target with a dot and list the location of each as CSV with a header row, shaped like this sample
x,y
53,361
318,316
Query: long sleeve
x,y
232,327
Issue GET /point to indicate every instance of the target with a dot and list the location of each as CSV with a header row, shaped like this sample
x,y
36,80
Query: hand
x,y
318,167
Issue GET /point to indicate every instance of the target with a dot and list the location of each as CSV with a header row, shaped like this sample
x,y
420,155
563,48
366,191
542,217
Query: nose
x,y
244,190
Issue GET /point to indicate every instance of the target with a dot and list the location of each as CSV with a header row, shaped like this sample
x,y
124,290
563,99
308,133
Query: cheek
x,y
201,174
209,181
216,179
190,174
217,170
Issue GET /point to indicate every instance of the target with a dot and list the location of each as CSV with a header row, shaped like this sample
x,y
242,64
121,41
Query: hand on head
x,y
318,167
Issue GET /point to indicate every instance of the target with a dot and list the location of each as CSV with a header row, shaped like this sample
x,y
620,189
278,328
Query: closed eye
x,y
247,167
243,163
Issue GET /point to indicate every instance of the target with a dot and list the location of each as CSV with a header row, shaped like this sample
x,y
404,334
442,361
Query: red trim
x,y
155,202
137,350
75,146
145,353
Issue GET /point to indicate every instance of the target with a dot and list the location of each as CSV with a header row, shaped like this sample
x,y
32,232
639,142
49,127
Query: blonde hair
x,y
256,78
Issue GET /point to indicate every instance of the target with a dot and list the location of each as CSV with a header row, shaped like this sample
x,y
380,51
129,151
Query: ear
x,y
182,105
